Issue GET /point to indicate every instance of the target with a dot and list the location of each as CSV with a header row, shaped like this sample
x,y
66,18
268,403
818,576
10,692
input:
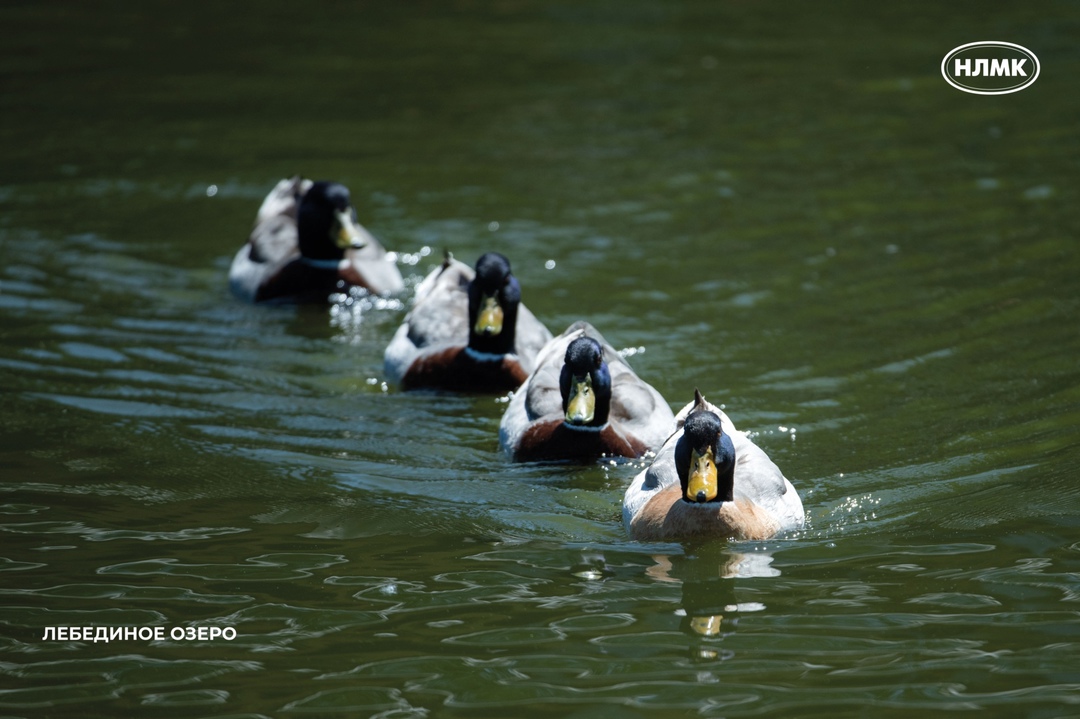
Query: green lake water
x,y
780,203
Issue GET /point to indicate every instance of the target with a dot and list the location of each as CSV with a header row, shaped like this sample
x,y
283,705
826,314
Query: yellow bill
x,y
489,320
582,402
702,483
707,626
347,234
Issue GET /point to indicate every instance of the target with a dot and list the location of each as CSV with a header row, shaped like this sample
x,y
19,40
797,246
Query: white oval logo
x,y
990,67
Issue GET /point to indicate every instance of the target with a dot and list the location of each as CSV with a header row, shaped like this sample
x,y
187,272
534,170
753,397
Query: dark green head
x,y
326,222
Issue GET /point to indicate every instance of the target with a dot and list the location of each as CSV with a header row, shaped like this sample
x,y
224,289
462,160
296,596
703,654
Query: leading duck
x,y
582,402
467,331
710,480
306,245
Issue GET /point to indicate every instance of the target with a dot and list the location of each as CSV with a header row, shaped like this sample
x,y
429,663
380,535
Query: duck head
x,y
326,222
705,459
494,296
585,384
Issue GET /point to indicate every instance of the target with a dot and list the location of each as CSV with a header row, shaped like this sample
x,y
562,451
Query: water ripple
x,y
107,678
266,567
94,534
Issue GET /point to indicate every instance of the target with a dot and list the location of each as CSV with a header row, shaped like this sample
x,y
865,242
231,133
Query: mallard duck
x,y
710,480
306,244
583,401
467,330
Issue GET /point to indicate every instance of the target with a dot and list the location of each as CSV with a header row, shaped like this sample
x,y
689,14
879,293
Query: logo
x,y
990,68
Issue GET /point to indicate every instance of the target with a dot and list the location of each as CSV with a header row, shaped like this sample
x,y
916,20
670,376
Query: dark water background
x,y
781,203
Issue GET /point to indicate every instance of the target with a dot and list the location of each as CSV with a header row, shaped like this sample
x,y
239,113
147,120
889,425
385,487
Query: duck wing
x,y
542,395
440,313
273,242
530,337
636,406
274,238
376,268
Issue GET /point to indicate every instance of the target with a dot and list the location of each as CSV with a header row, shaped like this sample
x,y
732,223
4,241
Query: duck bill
x,y
489,320
348,236
581,406
707,626
702,483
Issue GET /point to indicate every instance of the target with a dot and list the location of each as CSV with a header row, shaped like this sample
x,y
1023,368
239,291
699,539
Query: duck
x,y
709,480
467,330
307,244
582,402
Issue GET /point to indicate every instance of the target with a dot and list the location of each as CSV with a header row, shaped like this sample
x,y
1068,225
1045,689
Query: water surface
x,y
782,205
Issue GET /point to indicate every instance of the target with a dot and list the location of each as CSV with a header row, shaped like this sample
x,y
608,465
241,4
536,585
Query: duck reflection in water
x,y
711,603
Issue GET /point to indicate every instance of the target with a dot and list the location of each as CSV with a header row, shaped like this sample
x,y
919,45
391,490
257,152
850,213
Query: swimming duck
x,y
583,401
306,244
710,480
467,330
